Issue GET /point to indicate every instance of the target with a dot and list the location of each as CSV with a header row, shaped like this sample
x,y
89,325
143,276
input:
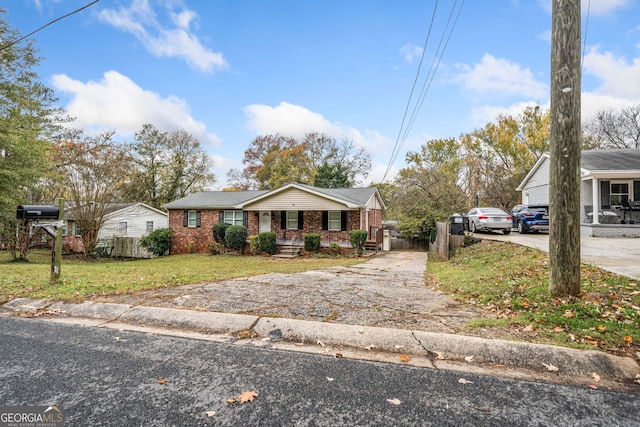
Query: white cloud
x,y
482,115
162,41
620,78
410,52
501,77
296,121
118,103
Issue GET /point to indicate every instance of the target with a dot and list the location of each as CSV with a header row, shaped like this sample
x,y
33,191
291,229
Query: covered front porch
x,y
611,206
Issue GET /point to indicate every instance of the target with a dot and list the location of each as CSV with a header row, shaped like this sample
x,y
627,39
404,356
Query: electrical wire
x,y
586,30
396,148
47,24
404,131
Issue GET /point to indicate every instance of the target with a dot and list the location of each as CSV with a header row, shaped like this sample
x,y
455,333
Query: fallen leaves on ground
x,y
596,377
558,329
247,396
463,381
469,359
210,413
404,358
394,401
550,367
479,408
162,381
244,397
529,328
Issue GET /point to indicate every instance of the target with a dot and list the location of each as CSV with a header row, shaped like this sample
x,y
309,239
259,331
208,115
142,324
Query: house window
x,y
149,226
335,220
193,219
122,229
619,193
292,220
65,228
233,217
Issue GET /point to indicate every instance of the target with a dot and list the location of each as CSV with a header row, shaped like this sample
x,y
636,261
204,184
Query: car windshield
x,y
537,209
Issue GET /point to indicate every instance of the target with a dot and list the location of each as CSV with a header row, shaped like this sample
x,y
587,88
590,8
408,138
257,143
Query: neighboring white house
x,y
609,191
136,220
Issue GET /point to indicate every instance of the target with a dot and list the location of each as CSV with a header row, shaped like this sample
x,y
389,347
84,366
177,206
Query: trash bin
x,y
456,224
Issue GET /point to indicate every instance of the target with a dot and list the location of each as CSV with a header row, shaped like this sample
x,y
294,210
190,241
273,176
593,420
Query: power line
x,y
586,30
404,131
396,148
47,24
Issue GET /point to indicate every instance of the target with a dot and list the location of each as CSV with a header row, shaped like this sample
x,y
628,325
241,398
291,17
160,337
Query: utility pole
x,y
564,188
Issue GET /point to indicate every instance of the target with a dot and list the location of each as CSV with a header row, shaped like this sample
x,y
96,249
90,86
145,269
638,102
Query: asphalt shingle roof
x,y
622,159
229,199
213,199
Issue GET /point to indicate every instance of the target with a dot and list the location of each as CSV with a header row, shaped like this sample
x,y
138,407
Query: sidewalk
x,y
618,255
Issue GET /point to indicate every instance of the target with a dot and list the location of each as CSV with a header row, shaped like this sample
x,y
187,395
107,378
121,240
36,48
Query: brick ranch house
x,y
290,211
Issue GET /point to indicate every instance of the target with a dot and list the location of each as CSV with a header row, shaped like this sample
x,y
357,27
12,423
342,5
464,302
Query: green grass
x,y
82,279
512,282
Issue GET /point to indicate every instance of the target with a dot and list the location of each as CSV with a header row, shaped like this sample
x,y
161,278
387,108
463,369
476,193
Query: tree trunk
x,y
564,189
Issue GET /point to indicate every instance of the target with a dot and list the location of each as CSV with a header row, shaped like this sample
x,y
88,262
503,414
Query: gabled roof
x,y
111,209
214,199
351,197
133,205
599,163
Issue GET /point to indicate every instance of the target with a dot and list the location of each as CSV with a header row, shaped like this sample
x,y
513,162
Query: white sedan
x,y
487,219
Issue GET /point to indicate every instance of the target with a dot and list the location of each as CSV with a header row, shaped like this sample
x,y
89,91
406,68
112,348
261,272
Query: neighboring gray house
x,y
609,191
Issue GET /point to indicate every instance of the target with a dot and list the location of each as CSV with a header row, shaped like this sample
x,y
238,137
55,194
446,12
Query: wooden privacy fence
x,y
129,247
445,241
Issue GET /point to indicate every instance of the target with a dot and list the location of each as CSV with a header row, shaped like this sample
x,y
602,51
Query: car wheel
x,y
507,231
521,229
473,227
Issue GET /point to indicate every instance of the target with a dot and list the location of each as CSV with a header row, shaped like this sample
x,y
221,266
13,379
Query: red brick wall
x,y
200,237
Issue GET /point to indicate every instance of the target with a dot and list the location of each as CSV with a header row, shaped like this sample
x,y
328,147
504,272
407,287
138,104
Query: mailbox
x,y
456,224
33,212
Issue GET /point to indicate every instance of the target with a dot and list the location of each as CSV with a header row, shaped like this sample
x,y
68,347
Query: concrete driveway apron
x,y
388,290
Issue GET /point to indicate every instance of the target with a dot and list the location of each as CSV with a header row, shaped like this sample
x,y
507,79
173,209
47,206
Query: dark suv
x,y
528,218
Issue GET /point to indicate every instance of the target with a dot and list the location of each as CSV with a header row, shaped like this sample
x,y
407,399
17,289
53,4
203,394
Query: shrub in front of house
x,y
268,242
158,241
235,237
335,249
254,245
219,232
312,242
358,238
214,248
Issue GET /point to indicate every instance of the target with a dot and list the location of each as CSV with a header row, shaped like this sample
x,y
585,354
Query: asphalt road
x,y
103,377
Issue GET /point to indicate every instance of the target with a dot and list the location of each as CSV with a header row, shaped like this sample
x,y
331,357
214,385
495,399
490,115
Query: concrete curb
x,y
433,345
453,347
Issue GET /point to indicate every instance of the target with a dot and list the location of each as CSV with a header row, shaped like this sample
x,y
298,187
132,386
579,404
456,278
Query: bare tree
x,y
94,169
615,129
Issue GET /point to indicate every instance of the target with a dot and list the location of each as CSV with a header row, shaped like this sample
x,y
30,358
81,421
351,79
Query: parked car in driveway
x,y
487,219
528,218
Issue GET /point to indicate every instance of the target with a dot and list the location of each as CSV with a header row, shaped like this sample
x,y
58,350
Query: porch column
x,y
366,216
595,200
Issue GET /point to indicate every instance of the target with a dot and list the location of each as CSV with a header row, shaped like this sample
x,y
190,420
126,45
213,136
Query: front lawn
x,y
512,282
82,279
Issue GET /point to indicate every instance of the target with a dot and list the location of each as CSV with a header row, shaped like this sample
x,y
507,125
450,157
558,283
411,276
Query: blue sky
x,y
228,71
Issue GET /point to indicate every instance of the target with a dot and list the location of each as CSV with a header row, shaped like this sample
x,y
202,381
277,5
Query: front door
x,y
265,221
